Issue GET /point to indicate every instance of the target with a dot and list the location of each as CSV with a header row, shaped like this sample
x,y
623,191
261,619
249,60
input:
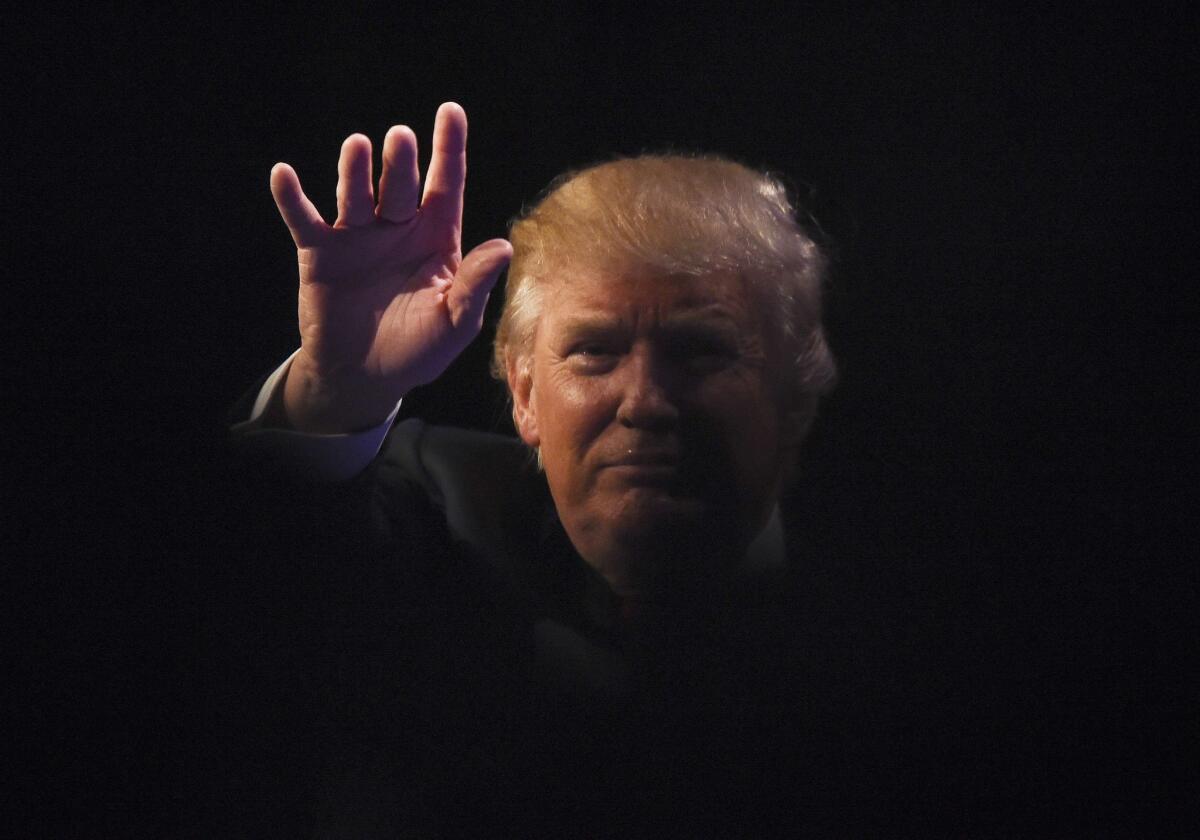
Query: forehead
x,y
637,295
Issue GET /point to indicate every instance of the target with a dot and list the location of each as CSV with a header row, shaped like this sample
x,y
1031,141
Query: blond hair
x,y
675,215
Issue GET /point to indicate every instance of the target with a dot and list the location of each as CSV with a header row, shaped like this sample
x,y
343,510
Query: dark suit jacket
x,y
430,656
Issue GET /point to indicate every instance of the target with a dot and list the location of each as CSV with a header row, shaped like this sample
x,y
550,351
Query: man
x,y
661,338
662,345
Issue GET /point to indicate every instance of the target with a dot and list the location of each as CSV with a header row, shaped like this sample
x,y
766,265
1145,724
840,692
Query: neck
x,y
690,597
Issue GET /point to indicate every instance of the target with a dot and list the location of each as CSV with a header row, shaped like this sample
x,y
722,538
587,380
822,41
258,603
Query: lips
x,y
646,458
646,468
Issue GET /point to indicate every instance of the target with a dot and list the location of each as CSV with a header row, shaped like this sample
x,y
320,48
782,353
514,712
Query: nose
x,y
646,401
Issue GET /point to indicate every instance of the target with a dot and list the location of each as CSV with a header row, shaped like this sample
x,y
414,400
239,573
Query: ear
x,y
520,384
795,424
793,428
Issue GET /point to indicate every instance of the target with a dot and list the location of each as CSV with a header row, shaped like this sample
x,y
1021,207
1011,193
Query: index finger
x,y
443,197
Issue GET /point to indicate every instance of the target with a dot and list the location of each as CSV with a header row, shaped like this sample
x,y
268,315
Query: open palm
x,y
386,300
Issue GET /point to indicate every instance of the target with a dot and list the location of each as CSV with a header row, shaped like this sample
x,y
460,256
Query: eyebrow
x,y
709,314
713,314
591,323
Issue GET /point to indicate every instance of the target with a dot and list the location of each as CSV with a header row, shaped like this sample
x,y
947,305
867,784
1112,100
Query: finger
x,y
468,295
299,214
401,178
355,197
443,196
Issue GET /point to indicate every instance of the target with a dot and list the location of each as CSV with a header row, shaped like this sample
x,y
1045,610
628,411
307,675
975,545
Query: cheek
x,y
572,413
736,396
745,418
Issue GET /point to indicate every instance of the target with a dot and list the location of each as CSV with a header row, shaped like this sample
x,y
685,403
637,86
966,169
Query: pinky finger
x,y
302,218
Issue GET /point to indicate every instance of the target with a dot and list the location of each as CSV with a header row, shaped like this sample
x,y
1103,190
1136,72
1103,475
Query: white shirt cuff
x,y
323,457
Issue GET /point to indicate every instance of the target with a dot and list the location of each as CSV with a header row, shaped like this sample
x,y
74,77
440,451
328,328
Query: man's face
x,y
652,403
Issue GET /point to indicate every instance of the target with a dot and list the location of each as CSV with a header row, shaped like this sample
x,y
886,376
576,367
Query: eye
x,y
593,356
703,352
593,348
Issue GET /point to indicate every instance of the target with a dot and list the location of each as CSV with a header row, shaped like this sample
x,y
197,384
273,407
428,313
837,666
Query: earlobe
x,y
526,423
796,424
520,385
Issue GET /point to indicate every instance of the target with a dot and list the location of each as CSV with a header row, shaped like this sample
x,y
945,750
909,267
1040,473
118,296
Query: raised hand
x,y
387,300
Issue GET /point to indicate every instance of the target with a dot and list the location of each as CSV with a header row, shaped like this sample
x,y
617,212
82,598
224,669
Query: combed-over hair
x,y
675,215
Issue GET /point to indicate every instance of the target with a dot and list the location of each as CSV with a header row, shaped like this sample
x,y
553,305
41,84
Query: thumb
x,y
476,276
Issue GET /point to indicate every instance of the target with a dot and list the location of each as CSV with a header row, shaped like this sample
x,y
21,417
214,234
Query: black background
x,y
1007,200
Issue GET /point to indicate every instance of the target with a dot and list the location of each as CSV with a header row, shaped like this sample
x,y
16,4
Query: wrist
x,y
326,402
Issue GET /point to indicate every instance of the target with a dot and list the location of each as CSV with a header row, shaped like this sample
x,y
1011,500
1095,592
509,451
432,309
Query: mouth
x,y
646,473
647,467
646,458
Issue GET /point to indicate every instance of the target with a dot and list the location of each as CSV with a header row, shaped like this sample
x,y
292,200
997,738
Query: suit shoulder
x,y
484,483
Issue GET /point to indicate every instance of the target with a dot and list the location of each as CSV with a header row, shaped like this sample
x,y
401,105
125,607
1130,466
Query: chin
x,y
649,511
665,527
